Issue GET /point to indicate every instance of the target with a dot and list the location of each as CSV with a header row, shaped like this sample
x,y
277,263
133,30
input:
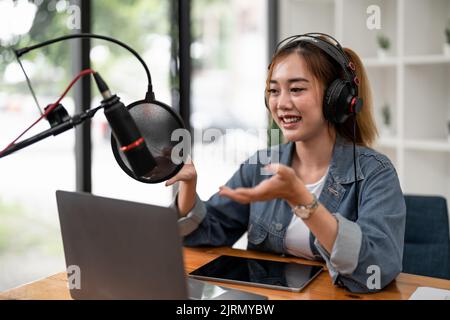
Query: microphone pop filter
x,y
156,122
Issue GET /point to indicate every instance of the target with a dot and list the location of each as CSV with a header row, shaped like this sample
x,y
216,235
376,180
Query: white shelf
x,y
377,62
428,145
407,60
415,144
426,59
414,79
387,142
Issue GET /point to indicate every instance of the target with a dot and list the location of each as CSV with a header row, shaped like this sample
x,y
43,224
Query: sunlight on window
x,y
228,84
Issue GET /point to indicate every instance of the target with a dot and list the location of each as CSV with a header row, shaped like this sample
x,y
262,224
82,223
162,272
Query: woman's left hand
x,y
284,184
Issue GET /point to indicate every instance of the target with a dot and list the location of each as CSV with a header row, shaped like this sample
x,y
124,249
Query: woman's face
x,y
295,99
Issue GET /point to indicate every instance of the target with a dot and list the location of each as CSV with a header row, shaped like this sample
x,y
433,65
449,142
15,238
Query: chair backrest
x,y
427,245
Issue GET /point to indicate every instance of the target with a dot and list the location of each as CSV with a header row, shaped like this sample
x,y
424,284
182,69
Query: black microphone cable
x,y
149,96
354,165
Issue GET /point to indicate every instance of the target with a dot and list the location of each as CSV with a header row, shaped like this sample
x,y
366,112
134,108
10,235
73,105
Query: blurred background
x,y
208,60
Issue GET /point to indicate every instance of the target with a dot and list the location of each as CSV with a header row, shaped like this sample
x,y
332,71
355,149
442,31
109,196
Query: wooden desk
x,y
55,287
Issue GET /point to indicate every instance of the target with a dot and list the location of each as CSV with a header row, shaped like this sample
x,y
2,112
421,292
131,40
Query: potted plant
x,y
447,39
387,120
383,45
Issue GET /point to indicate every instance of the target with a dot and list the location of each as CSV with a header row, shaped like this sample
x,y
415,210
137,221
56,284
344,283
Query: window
x,y
30,242
228,118
143,25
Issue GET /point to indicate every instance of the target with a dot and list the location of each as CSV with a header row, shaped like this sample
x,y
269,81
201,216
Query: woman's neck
x,y
314,155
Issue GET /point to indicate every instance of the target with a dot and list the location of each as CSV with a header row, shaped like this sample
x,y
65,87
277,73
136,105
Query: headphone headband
x,y
335,51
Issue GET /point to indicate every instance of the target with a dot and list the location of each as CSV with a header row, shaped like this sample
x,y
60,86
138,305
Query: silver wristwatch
x,y
305,211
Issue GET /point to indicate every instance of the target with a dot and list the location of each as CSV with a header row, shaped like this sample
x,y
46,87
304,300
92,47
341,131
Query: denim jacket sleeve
x,y
367,254
219,221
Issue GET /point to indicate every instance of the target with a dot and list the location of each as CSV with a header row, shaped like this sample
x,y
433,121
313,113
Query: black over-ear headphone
x,y
341,97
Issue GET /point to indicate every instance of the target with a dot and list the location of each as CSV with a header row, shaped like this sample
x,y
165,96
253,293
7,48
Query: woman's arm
x,y
323,226
368,252
219,221
187,188
351,249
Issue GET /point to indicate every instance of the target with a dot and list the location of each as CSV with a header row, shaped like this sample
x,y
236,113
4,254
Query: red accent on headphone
x,y
132,145
351,66
356,80
352,104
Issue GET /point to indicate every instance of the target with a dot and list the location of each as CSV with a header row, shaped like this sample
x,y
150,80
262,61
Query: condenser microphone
x,y
145,138
132,143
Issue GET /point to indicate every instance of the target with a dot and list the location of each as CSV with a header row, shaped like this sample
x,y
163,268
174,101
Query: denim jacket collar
x,y
341,165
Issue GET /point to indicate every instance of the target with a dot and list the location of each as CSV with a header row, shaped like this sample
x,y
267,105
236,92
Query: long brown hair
x,y
326,70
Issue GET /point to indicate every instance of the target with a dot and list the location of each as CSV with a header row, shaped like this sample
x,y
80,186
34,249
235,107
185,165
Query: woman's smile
x,y
289,122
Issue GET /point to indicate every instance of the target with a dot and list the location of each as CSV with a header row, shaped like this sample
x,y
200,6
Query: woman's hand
x,y
284,184
187,177
187,174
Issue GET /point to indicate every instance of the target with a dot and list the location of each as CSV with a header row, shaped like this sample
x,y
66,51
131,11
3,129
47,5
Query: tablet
x,y
256,272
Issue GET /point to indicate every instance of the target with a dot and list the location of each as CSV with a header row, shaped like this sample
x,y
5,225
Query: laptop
x,y
118,249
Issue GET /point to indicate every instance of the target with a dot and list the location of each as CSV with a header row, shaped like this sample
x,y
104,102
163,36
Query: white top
x,y
297,233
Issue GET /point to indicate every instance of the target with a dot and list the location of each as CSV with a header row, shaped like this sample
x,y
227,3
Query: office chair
x,y
427,246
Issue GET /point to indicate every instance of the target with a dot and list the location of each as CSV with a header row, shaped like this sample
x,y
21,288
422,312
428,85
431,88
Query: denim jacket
x,y
369,245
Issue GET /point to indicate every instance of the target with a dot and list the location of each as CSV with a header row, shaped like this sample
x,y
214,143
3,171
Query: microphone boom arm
x,y
62,127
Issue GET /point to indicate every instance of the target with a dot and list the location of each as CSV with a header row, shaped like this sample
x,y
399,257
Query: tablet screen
x,y
257,272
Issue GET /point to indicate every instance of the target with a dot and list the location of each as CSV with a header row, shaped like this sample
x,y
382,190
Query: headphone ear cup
x,y
331,109
339,102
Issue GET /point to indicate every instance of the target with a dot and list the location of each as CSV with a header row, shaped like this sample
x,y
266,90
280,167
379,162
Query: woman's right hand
x,y
187,177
